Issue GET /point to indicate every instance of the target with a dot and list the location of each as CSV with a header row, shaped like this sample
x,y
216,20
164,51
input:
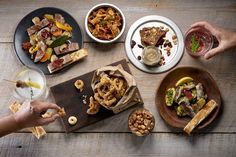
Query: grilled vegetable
x,y
64,27
48,16
170,95
47,55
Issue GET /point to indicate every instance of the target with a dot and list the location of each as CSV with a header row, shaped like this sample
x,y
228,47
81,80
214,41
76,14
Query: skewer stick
x,y
9,81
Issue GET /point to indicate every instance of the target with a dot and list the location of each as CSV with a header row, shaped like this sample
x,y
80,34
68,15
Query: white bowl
x,y
101,6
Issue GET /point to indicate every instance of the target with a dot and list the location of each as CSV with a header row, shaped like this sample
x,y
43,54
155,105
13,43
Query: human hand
x,y
30,114
226,38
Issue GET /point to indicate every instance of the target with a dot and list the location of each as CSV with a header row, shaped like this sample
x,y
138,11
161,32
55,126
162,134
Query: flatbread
x,y
200,116
74,57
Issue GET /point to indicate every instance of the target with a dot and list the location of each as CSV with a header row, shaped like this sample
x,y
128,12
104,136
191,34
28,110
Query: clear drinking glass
x,y
198,41
36,80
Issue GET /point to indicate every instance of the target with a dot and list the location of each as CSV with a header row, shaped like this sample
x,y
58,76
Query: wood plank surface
x,y
222,68
183,12
112,137
119,144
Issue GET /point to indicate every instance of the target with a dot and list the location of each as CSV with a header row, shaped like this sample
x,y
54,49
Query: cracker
x,y
62,112
47,115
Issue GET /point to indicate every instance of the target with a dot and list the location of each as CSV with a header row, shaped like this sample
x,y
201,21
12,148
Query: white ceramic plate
x,y
154,21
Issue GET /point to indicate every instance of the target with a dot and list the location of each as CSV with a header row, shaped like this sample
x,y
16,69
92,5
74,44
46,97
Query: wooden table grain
x,y
111,137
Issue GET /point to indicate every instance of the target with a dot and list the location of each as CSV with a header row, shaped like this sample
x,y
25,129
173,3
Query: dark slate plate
x,y
67,96
21,35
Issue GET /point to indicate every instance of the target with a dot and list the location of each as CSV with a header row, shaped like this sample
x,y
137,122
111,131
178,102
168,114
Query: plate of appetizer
x,y
188,93
96,95
154,44
49,39
105,23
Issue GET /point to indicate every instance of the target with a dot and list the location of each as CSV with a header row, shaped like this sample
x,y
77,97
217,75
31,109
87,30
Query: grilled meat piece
x,y
59,18
36,28
63,49
59,63
200,92
41,52
43,34
26,45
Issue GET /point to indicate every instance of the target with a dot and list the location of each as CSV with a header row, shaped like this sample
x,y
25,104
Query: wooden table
x,y
111,137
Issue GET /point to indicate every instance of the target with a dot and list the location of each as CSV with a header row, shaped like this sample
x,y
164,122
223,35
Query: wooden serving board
x,y
67,96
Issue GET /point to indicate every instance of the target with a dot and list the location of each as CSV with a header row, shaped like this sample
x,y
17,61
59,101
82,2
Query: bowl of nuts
x,y
141,122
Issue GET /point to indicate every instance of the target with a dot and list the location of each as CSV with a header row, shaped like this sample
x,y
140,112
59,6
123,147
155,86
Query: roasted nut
x,y
141,122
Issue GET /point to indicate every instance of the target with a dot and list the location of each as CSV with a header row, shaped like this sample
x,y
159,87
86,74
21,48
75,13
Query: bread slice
x,y
71,58
200,116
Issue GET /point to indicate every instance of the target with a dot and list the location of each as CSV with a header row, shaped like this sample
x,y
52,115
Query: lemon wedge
x,y
183,81
33,84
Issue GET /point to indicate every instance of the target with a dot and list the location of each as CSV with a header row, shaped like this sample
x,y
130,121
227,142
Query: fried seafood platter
x,y
184,93
97,95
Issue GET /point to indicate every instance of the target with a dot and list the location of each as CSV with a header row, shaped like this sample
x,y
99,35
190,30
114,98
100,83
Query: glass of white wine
x,y
30,84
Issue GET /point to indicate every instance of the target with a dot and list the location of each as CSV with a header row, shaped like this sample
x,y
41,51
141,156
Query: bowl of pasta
x,y
105,23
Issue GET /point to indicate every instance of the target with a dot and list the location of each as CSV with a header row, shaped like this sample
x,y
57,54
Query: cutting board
x,y
67,96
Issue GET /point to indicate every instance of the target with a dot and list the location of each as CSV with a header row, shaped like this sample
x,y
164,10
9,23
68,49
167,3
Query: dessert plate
x,y
134,54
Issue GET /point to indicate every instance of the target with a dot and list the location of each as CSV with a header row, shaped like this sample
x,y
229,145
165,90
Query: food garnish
x,y
183,81
25,84
187,97
59,41
105,23
195,44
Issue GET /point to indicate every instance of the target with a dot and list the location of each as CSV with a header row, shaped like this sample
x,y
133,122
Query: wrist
x,y
8,125
234,39
17,121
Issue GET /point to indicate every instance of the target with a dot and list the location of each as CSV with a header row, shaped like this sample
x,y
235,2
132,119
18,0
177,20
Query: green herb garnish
x,y
59,41
195,44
